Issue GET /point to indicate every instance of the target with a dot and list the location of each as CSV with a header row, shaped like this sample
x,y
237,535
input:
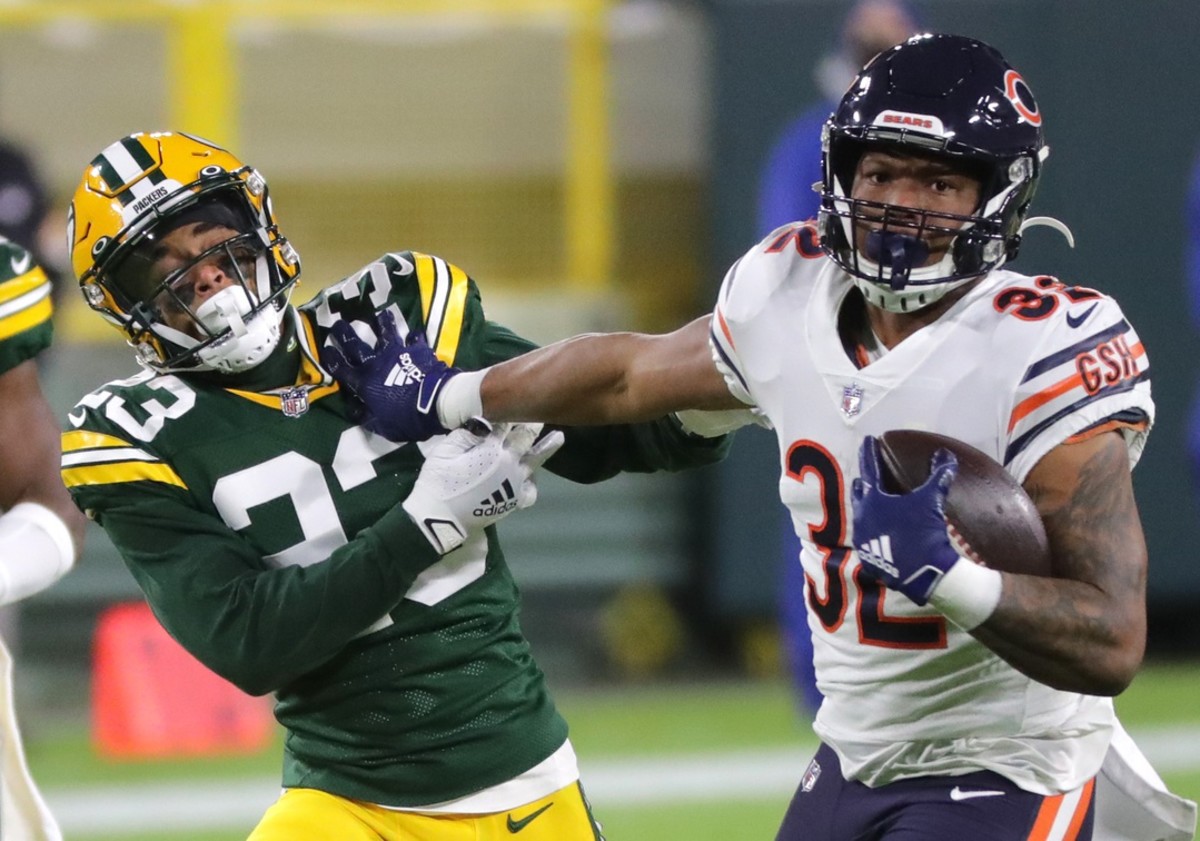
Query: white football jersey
x,y
1017,366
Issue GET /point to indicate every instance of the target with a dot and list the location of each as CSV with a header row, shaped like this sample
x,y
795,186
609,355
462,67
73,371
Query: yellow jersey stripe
x,y
452,323
21,284
82,439
118,472
28,318
310,374
427,283
443,304
25,302
274,401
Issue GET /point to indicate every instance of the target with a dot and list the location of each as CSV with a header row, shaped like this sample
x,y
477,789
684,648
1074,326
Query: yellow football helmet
x,y
136,192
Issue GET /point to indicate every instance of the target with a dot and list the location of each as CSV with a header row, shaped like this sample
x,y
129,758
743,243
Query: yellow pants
x,y
306,814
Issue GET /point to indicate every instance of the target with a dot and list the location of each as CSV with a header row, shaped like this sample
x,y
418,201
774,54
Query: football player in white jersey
x,y
961,701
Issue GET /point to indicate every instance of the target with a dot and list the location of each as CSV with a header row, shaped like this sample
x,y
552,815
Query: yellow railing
x,y
202,83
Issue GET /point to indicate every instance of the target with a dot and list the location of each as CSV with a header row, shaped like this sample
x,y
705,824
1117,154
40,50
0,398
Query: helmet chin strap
x,y
224,310
899,252
250,336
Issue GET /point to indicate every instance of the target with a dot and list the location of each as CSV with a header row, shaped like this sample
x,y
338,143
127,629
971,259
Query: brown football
x,y
989,510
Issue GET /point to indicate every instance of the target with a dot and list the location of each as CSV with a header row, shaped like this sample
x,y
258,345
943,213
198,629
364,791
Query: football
x,y
989,516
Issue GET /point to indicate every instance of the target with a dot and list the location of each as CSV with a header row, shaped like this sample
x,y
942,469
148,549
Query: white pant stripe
x,y
1066,811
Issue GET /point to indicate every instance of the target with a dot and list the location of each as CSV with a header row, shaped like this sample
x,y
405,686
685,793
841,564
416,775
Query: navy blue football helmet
x,y
943,95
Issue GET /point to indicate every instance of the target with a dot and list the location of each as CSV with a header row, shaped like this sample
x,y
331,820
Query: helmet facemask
x,y
890,269
231,330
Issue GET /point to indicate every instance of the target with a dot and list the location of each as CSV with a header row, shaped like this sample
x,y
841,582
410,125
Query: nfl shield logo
x,y
811,773
294,401
851,399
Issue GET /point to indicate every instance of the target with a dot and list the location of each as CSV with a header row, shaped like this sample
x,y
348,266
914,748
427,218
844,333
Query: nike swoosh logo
x,y
22,264
957,793
1076,320
516,826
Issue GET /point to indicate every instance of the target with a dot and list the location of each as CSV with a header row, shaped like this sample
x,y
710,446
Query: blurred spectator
x,y
23,202
794,165
24,209
786,195
27,218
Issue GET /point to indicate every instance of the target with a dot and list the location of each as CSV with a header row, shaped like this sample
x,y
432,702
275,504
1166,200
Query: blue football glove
x,y
901,538
396,383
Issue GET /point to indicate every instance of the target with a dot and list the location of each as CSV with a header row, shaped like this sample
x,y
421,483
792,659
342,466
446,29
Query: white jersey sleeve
x,y
751,285
1088,371
724,349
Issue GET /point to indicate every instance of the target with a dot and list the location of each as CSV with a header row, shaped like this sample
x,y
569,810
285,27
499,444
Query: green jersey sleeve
x,y
25,307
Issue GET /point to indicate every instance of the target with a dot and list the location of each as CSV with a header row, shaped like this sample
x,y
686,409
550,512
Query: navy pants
x,y
973,807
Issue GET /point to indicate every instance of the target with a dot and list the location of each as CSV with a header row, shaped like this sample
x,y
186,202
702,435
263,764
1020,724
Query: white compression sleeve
x,y
968,594
35,550
461,399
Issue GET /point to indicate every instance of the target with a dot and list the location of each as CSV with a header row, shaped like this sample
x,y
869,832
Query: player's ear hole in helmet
x,y
955,100
149,195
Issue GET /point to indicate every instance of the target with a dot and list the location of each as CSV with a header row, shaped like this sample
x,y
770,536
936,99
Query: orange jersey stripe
x,y
1057,389
725,328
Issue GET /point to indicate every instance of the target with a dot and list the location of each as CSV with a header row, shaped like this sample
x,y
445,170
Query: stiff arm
x,y
606,378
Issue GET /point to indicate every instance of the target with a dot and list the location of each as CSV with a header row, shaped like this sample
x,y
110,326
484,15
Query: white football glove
x,y
475,476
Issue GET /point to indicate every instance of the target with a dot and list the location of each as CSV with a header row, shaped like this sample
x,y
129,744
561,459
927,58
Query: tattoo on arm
x,y
1083,629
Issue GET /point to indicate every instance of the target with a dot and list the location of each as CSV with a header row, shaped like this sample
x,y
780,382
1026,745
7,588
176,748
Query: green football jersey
x,y
265,529
25,307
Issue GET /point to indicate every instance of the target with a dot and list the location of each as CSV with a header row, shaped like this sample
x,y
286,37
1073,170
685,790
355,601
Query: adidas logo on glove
x,y
878,553
500,502
404,372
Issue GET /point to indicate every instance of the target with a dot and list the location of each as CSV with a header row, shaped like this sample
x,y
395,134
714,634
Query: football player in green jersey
x,y
41,531
285,545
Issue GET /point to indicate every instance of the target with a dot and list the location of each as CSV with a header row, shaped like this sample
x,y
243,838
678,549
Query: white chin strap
x,y
249,337
250,340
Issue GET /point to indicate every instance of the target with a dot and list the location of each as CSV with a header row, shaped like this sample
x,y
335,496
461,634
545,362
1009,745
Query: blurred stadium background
x,y
593,165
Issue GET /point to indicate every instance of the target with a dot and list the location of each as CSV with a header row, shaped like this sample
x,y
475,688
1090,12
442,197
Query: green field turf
x,y
669,720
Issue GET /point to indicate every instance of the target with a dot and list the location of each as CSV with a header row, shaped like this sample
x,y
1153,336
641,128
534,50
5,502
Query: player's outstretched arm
x,y
408,394
606,378
1084,629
